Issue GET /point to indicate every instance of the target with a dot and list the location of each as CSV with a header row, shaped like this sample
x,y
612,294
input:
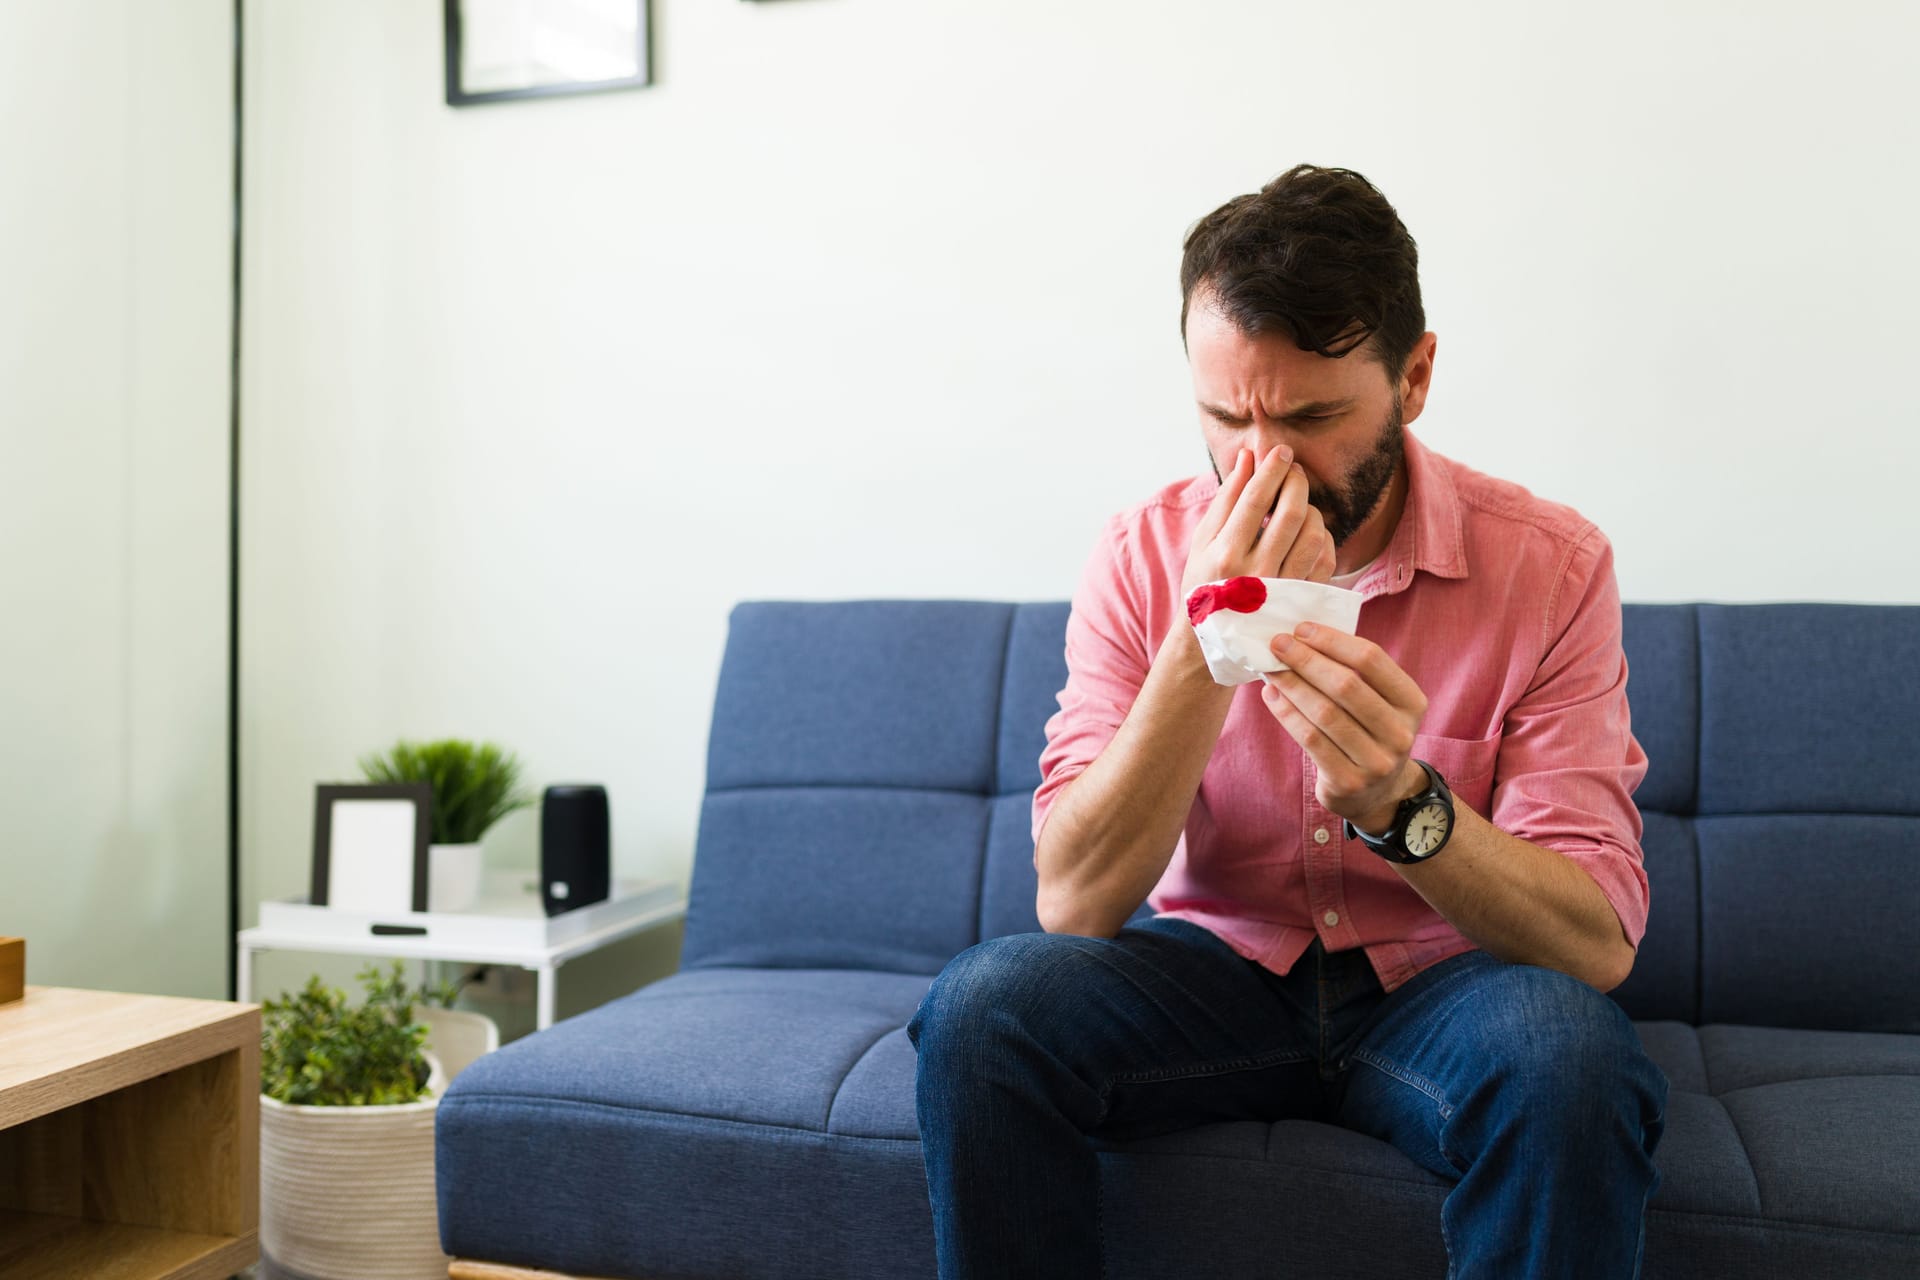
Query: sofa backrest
x,y
871,767
870,773
1782,808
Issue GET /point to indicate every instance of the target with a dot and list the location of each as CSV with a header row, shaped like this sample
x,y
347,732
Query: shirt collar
x,y
1430,534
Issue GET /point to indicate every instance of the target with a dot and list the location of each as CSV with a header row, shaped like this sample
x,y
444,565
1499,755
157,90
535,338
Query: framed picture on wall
x,y
370,846
498,50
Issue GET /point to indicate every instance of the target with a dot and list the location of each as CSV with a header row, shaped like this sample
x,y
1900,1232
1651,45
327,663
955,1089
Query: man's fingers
x,y
1312,551
1343,769
1342,742
1284,525
1347,691
1230,487
1243,525
1377,672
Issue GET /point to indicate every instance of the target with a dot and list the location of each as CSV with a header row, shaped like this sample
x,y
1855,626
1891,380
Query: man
x,y
1390,882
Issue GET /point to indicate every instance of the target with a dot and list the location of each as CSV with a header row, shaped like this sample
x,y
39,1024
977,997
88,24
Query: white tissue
x,y
1238,645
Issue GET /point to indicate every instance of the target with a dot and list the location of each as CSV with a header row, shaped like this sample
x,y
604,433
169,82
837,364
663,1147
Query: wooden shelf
x,y
129,1136
44,1246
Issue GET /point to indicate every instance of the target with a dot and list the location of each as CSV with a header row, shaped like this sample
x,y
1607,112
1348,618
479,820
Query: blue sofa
x,y
866,818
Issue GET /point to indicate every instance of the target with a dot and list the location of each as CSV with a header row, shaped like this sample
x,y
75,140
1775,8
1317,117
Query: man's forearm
x,y
1113,829
1523,903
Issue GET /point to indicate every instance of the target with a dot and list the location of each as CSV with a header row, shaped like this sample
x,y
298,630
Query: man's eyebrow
x,y
1311,409
1317,408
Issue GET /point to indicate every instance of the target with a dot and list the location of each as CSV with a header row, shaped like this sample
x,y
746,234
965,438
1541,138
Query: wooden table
x,y
129,1136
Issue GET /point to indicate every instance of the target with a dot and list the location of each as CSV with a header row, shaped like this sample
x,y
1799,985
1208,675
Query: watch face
x,y
1427,828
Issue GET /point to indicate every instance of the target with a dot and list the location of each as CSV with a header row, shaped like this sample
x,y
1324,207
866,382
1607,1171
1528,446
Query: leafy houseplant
x,y
347,1106
317,1051
474,786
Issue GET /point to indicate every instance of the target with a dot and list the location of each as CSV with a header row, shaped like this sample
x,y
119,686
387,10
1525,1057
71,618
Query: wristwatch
x,y
1421,825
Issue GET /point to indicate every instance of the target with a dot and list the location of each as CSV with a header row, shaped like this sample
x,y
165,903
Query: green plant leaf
x,y
316,1050
474,786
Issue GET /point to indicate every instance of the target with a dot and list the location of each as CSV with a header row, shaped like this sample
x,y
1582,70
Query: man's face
x,y
1341,418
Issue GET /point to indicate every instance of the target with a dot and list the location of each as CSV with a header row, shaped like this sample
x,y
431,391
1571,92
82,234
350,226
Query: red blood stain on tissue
x,y
1241,595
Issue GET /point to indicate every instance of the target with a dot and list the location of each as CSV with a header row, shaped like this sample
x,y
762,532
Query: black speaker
x,y
575,847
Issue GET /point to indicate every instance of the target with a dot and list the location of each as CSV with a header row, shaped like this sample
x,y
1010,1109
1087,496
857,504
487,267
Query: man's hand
x,y
1230,541
1354,712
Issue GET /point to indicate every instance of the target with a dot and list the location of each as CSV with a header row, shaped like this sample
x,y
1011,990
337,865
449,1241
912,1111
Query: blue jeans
x,y
1525,1087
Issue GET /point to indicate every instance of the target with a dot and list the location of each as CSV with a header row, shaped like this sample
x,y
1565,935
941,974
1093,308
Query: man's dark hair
x,y
1316,254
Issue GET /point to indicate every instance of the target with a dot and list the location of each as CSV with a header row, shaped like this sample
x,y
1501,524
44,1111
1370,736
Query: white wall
x,y
116,144
878,299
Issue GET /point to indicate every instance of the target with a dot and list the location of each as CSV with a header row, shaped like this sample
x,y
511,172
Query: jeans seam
x,y
1163,1076
1100,1217
1412,1079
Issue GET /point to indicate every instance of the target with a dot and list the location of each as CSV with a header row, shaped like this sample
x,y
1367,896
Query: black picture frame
x,y
459,95
326,795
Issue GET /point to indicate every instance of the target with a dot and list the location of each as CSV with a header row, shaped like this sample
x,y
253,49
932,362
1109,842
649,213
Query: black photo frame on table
x,y
370,846
499,50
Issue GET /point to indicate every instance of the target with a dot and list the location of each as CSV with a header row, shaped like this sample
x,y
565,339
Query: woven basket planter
x,y
346,1193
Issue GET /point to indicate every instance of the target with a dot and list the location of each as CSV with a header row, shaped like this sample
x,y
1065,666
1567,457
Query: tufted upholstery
x,y
866,817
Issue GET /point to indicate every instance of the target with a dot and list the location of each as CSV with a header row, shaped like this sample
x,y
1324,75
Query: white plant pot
x,y
453,876
456,1037
346,1193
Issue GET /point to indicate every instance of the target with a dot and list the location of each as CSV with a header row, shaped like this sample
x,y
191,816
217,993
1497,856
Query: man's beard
x,y
1350,505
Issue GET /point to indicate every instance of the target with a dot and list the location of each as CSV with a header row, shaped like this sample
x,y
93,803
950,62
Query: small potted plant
x,y
348,1097
474,786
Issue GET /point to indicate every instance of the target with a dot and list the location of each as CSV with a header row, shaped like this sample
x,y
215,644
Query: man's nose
x,y
1267,438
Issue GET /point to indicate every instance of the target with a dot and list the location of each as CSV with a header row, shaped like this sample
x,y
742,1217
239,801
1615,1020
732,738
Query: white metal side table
x,y
507,926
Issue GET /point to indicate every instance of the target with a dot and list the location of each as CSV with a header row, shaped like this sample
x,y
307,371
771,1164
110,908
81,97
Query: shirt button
x,y
1320,835
1332,918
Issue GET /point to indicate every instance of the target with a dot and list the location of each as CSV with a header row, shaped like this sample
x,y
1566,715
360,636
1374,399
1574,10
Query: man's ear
x,y
1417,377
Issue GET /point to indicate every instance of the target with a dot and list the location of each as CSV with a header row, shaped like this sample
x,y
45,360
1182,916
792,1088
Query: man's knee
x,y
1002,986
1568,1047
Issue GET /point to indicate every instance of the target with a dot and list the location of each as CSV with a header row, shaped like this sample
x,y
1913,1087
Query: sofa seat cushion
x,y
1811,1128
761,1046
637,1139
1826,1122
776,1107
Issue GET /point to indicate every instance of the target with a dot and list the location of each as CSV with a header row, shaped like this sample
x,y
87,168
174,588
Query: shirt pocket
x,y
1467,764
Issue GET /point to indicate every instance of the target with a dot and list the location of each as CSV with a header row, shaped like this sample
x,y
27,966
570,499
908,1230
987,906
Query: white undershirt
x,y
1347,580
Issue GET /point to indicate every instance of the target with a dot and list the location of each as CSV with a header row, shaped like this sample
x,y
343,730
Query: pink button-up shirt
x,y
1501,606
